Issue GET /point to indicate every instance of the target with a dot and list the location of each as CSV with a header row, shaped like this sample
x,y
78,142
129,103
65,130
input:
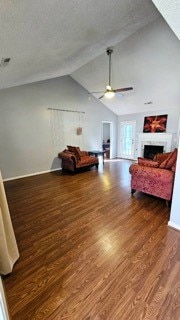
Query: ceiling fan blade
x,y
123,89
101,97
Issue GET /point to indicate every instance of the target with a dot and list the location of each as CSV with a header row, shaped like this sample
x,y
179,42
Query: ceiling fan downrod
x,y
109,52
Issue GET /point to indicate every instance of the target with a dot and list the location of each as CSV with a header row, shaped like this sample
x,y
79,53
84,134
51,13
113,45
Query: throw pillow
x,y
147,162
79,152
170,161
75,151
66,151
160,157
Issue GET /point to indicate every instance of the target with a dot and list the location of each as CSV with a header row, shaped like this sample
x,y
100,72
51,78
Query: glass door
x,y
127,139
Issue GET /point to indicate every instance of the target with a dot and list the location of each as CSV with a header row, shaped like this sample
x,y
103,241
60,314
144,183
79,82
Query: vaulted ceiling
x,y
47,39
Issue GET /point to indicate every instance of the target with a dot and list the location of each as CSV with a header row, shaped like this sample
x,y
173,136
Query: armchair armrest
x,y
150,173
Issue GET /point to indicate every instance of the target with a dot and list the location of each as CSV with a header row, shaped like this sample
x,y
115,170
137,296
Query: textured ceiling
x,y
51,38
170,10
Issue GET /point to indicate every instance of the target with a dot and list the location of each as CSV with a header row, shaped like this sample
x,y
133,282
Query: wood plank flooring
x,y
91,251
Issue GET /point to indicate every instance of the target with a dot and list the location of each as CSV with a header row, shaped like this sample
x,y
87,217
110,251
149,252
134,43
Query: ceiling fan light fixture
x,y
108,87
109,94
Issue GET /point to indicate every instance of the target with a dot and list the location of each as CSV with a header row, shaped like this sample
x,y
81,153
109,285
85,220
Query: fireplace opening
x,y
150,151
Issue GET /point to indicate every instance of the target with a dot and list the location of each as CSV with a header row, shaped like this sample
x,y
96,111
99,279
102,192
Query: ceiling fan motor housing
x,y
109,51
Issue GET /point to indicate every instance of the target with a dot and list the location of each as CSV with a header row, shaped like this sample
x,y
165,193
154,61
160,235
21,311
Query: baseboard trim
x,y
174,225
31,174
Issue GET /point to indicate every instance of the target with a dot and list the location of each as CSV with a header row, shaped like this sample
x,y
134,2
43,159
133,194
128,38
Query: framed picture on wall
x,y
155,123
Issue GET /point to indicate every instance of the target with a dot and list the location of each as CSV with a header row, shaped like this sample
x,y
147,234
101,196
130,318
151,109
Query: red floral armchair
x,y
154,177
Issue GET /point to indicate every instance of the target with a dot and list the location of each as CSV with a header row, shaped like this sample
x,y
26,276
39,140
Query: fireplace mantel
x,y
160,139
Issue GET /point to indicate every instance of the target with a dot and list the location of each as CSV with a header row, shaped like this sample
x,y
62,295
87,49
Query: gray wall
x,y
25,126
172,124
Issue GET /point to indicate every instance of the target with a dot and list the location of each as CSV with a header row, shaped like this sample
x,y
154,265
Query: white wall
x,y
172,124
175,209
26,145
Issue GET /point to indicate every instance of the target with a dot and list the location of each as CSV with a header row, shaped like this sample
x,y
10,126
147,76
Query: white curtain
x,y
8,247
57,129
64,124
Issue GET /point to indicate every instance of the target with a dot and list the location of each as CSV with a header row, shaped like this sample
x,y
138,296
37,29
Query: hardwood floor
x,y
91,251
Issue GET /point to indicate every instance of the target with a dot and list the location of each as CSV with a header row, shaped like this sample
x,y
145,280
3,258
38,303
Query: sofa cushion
x,y
170,161
82,153
76,151
67,151
147,162
86,161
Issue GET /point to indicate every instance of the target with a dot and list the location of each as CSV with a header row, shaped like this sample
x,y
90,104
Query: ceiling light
x,y
109,94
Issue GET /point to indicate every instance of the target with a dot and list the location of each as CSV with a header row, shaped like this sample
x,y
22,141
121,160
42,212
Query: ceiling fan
x,y
109,91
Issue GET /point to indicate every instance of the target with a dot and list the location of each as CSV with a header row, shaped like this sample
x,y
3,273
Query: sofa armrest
x,y
67,156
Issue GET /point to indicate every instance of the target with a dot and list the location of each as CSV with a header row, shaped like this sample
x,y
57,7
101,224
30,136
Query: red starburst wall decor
x,y
155,123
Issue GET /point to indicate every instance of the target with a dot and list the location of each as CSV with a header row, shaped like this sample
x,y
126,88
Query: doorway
x,y
127,139
107,138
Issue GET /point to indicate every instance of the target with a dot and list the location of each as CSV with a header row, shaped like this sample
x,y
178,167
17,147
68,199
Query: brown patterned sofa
x,y
155,177
74,159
